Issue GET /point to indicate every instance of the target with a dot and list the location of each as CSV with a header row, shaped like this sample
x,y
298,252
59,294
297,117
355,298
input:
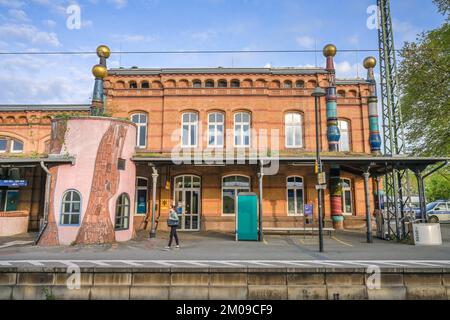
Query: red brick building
x,y
208,110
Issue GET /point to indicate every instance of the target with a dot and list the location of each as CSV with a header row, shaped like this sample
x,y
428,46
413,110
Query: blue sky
x,y
147,25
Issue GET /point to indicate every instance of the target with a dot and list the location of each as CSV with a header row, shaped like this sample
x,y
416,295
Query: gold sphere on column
x,y
99,71
329,50
103,51
370,62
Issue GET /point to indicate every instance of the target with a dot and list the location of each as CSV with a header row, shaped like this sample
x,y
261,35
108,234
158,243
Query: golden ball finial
x,y
370,62
103,51
99,71
329,50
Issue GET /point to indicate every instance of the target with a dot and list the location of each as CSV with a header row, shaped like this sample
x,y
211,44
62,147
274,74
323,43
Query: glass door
x,y
187,201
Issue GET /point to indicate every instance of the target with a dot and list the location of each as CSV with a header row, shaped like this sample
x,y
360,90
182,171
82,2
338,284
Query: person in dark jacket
x,y
174,222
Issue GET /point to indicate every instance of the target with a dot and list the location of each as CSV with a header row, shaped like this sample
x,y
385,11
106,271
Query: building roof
x,y
27,159
44,107
220,70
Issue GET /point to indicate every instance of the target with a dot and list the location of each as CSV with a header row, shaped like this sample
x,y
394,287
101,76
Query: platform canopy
x,y
377,166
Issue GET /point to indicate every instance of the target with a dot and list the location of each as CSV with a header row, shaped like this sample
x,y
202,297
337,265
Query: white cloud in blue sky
x,y
143,25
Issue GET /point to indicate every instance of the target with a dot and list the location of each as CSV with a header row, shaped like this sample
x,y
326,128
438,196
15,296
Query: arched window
x,y
347,198
133,85
242,129
275,84
344,141
300,84
235,83
119,85
216,124
295,195
140,119
247,83
197,84
209,83
352,94
141,195
222,83
341,93
10,145
293,130
70,208
231,187
189,130
312,84
287,84
145,85
122,212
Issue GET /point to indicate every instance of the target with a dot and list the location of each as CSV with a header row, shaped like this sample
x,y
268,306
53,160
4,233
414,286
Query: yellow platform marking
x,y
340,241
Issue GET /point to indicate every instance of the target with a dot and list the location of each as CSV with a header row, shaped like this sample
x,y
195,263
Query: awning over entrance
x,y
27,161
355,164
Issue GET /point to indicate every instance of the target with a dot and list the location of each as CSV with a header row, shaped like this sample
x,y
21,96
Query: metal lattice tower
x,y
396,184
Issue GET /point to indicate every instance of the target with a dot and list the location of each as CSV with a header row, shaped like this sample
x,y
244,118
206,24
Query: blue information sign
x,y
308,210
13,183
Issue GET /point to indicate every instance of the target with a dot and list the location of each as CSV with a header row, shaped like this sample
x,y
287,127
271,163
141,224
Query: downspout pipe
x,y
48,182
260,183
154,186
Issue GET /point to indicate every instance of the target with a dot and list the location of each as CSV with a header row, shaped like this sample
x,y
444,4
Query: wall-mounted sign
x,y
164,204
13,183
308,210
322,178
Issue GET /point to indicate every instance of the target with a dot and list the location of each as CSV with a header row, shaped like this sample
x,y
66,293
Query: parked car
x,y
437,211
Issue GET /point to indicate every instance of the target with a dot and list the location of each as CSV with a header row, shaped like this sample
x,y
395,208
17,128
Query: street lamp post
x,y
317,94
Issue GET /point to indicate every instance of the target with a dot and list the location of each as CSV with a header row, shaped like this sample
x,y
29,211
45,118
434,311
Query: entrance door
x,y
187,198
12,200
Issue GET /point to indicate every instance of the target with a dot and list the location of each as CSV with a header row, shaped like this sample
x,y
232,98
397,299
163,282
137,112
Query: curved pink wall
x,y
82,140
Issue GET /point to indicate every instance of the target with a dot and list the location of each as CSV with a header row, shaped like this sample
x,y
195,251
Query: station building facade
x,y
152,114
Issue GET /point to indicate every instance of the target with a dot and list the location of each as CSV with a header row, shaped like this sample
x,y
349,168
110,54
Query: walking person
x,y
173,223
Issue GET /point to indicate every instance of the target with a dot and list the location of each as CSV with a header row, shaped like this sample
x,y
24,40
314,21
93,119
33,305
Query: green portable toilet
x,y
247,217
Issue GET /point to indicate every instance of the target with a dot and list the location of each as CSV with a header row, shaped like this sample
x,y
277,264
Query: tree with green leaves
x,y
425,91
424,78
443,6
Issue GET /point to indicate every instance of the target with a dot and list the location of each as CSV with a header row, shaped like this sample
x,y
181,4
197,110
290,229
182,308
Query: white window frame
x,y
235,190
124,217
293,125
215,125
138,188
351,197
138,131
296,214
241,125
70,214
13,142
191,125
6,147
10,142
347,131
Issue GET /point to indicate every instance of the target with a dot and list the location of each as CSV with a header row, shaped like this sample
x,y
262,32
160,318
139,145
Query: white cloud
x,y
202,35
306,42
12,3
354,40
119,3
86,23
345,69
18,14
405,31
132,38
49,23
31,79
29,34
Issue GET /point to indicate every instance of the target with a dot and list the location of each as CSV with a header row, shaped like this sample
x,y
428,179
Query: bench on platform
x,y
305,230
